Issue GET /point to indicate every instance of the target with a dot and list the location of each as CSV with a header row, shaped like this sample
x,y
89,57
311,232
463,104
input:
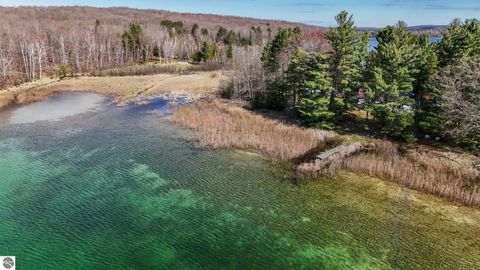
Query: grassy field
x,y
151,68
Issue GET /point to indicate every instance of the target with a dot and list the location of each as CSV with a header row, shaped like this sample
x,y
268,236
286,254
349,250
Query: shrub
x,y
207,52
227,91
64,71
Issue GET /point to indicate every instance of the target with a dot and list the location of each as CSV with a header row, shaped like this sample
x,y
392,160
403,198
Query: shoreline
x,y
124,89
217,125
279,145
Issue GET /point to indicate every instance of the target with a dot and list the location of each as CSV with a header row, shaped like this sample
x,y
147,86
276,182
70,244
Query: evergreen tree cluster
x,y
174,27
131,40
224,41
396,83
276,57
231,38
209,46
206,53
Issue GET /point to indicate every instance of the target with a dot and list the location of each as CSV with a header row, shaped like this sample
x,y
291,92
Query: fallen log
x,y
328,160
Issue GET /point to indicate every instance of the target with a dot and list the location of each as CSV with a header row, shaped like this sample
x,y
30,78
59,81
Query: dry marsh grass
x,y
198,83
25,93
182,68
7,99
219,126
24,97
389,161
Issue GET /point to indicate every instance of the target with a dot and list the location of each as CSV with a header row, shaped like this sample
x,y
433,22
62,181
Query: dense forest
x,y
408,87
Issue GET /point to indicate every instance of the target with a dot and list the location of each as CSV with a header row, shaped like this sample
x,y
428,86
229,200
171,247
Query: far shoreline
x,y
123,88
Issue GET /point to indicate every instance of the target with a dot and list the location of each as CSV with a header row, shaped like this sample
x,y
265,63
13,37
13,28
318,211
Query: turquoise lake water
x,y
100,187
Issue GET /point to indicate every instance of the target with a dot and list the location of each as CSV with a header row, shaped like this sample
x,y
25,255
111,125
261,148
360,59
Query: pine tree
x,y
276,57
306,75
221,35
426,116
457,101
347,60
315,112
278,52
174,28
231,38
131,40
206,53
462,40
230,52
390,86
307,80
194,31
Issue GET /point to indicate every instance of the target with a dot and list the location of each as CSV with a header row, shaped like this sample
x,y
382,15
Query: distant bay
x,y
373,42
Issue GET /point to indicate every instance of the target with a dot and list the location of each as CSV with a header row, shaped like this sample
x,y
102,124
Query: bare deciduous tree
x,y
459,98
248,76
48,38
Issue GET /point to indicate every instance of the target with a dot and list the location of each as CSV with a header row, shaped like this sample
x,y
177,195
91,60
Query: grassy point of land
x,y
191,85
221,126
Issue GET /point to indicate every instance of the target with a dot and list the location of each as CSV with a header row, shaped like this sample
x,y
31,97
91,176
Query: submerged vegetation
x,y
123,187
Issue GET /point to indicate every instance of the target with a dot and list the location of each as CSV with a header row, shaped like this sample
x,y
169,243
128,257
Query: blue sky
x,y
319,12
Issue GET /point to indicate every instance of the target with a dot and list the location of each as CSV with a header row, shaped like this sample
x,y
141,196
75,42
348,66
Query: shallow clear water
x,y
121,188
54,108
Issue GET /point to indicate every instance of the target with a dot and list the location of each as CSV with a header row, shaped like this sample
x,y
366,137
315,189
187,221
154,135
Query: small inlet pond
x,y
87,185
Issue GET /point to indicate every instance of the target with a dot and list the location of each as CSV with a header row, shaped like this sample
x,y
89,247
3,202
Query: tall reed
x,y
220,126
387,160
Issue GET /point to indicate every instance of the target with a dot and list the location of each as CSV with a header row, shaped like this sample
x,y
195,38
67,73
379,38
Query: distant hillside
x,y
429,29
13,17
39,41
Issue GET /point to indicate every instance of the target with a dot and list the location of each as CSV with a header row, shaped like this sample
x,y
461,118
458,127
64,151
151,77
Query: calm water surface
x,y
120,188
373,42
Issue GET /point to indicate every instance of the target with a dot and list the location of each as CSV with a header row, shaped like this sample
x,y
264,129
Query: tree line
x,y
409,87
34,53
38,41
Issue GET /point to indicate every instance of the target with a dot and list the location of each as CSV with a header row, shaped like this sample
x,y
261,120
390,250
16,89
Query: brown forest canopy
x,y
19,18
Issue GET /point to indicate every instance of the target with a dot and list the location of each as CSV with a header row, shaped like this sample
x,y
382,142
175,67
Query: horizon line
x,y
214,14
